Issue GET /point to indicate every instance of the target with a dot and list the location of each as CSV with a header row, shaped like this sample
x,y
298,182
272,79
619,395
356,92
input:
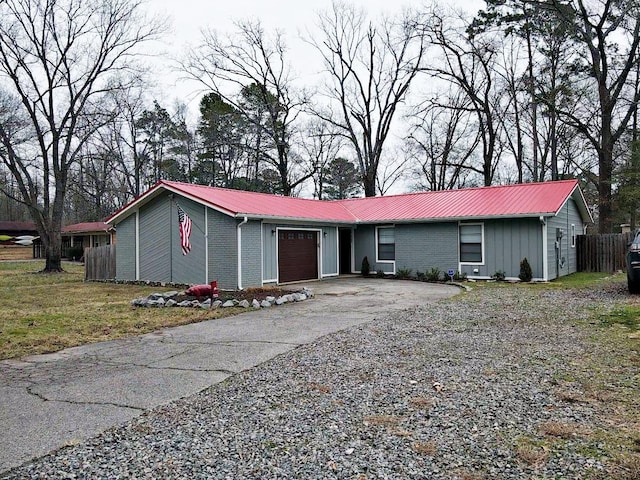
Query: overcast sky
x,y
294,17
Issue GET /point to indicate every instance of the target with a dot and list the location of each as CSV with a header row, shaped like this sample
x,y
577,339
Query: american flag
x,y
185,230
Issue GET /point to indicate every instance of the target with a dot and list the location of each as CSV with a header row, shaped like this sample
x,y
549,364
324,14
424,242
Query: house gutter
x,y
246,219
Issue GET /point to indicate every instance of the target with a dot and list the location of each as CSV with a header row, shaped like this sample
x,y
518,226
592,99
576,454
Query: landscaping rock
x,y
206,303
228,303
184,303
216,304
281,301
170,303
265,304
270,299
244,304
255,304
170,294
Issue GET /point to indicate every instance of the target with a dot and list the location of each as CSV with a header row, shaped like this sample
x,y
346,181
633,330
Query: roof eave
x,y
152,193
455,219
280,218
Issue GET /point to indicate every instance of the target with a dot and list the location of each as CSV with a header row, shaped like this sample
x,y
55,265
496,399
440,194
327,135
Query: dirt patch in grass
x,y
42,313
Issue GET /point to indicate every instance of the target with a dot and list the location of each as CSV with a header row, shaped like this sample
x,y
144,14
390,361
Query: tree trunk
x,y
53,252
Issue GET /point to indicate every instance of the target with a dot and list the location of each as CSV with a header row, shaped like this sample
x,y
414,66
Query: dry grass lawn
x,y
42,313
15,252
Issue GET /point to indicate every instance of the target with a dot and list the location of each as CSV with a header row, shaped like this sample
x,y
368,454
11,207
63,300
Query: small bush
x,y
459,277
434,274
499,276
525,271
403,273
365,269
380,273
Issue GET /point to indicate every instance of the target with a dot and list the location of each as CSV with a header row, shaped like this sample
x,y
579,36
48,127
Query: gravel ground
x,y
464,388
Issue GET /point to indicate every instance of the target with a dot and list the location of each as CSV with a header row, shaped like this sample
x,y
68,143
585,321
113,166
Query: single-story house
x,y
15,229
88,234
245,239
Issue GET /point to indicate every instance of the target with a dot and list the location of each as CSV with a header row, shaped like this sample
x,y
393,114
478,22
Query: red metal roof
x,y
87,227
238,202
7,226
529,199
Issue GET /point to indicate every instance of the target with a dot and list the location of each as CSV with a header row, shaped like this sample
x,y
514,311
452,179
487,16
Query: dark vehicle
x,y
633,264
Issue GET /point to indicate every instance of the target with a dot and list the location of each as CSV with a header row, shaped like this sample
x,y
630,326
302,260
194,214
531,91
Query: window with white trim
x,y
573,236
386,244
471,243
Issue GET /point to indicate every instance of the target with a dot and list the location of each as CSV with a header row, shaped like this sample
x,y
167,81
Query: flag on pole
x,y
185,230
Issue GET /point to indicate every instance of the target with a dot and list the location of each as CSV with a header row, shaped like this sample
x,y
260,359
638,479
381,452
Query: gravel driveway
x,y
469,388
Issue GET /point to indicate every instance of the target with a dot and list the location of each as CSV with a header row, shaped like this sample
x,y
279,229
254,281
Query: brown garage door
x,y
297,255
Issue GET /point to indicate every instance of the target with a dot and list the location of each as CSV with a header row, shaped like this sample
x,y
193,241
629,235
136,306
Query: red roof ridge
x,y
463,189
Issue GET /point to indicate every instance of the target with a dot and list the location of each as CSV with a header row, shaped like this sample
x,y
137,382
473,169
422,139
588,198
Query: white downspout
x,y
240,252
545,255
206,244
137,244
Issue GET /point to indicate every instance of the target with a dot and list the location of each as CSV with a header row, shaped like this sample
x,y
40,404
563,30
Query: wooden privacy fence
x,y
602,253
100,263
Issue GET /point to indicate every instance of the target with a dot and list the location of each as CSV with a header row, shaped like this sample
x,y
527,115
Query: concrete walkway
x,y
49,401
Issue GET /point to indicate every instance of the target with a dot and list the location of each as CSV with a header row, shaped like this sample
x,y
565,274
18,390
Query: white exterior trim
x,y
484,257
206,244
387,262
137,244
545,254
239,236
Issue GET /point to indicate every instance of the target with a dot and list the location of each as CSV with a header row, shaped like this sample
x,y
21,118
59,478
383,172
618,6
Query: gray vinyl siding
x,y
126,249
329,251
269,252
506,243
423,246
251,254
155,240
567,216
364,238
223,248
190,268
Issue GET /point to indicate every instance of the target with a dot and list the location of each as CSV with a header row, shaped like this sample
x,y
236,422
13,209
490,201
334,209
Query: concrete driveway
x,y
49,401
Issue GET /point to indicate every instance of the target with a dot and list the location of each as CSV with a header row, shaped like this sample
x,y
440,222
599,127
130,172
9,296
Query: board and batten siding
x,y
223,249
126,249
251,254
329,251
506,243
568,215
364,238
423,246
190,268
161,258
155,240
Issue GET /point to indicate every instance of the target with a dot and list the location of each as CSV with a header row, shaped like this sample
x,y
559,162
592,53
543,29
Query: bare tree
x,y
249,71
370,67
444,138
469,62
320,144
608,32
57,57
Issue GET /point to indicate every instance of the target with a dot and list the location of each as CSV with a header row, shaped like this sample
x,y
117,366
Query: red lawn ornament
x,y
200,291
214,289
